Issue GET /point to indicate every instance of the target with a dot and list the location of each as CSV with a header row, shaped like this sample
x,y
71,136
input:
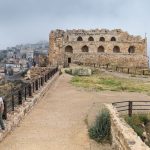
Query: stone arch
x,y
131,49
113,39
116,49
90,38
69,49
79,38
102,39
85,48
101,49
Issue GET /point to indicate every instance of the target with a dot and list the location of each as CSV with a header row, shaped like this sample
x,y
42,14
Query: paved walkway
x,y
57,122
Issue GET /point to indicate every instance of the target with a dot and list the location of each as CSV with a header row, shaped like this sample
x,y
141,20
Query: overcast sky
x,y
29,21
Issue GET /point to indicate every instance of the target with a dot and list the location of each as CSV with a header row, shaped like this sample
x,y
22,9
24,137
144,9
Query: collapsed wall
x,y
103,46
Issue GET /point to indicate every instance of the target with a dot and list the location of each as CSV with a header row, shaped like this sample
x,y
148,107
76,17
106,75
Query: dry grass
x,y
103,81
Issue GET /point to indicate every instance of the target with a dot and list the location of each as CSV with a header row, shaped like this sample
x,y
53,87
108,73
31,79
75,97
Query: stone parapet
x,y
123,136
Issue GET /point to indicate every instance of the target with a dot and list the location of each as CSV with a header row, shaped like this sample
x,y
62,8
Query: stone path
x,y
57,122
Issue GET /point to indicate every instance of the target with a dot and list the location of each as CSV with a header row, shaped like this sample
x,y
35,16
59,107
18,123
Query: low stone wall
x,y
123,136
21,111
112,59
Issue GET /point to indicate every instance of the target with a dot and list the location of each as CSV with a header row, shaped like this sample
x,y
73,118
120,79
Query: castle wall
x,y
96,46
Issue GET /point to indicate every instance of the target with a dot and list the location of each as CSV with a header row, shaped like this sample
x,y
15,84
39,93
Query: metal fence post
x,y
130,108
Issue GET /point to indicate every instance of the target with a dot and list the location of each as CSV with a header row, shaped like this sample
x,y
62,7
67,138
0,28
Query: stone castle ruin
x,y
101,47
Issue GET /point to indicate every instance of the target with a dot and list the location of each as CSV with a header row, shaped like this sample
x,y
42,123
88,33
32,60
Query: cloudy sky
x,y
29,21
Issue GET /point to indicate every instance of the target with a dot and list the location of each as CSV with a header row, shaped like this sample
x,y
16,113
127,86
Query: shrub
x,y
136,122
101,130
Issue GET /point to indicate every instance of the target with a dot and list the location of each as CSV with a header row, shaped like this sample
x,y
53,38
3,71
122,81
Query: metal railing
x,y
130,106
19,95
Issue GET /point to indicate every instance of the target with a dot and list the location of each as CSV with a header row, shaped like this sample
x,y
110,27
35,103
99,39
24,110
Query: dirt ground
x,y
57,122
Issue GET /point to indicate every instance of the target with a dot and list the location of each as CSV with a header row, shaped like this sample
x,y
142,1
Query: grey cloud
x,y
24,21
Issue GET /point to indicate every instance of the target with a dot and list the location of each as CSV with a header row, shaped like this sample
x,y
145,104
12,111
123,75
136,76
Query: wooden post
x,y
20,97
128,70
116,68
25,93
13,103
143,72
36,85
5,110
30,90
45,78
107,66
39,82
130,108
33,84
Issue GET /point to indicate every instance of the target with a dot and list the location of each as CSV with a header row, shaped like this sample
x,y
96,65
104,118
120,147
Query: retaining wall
x,y
123,136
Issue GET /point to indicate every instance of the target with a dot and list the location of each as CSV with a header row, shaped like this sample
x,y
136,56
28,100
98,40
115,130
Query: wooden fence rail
x,y
128,70
131,106
18,96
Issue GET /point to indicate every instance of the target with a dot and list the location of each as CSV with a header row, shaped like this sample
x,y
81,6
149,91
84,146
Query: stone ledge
x,y
14,117
123,136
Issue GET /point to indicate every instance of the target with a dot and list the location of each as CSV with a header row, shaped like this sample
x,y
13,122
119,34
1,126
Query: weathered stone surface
x,y
123,136
96,46
82,71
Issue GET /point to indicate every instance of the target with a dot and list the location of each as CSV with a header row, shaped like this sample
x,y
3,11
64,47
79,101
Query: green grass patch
x,y
139,122
107,82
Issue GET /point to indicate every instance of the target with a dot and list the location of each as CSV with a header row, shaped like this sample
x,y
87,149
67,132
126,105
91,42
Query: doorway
x,y
69,60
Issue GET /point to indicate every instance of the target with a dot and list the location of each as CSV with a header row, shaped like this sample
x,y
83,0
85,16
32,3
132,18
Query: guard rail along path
x,y
121,69
131,106
21,100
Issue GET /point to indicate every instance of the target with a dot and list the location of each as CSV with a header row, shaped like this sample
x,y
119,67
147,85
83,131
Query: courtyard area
x,y
57,122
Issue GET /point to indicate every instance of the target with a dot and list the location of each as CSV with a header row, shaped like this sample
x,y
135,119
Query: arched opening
x,y
131,49
69,49
90,38
113,39
85,49
116,49
102,39
79,38
100,49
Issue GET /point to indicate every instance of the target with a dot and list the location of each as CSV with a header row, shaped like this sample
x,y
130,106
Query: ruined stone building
x,y
101,47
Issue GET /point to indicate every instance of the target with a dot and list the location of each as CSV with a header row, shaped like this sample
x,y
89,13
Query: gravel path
x,y
57,122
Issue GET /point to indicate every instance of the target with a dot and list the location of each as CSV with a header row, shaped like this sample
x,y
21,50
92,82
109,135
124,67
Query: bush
x,y
101,130
136,122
